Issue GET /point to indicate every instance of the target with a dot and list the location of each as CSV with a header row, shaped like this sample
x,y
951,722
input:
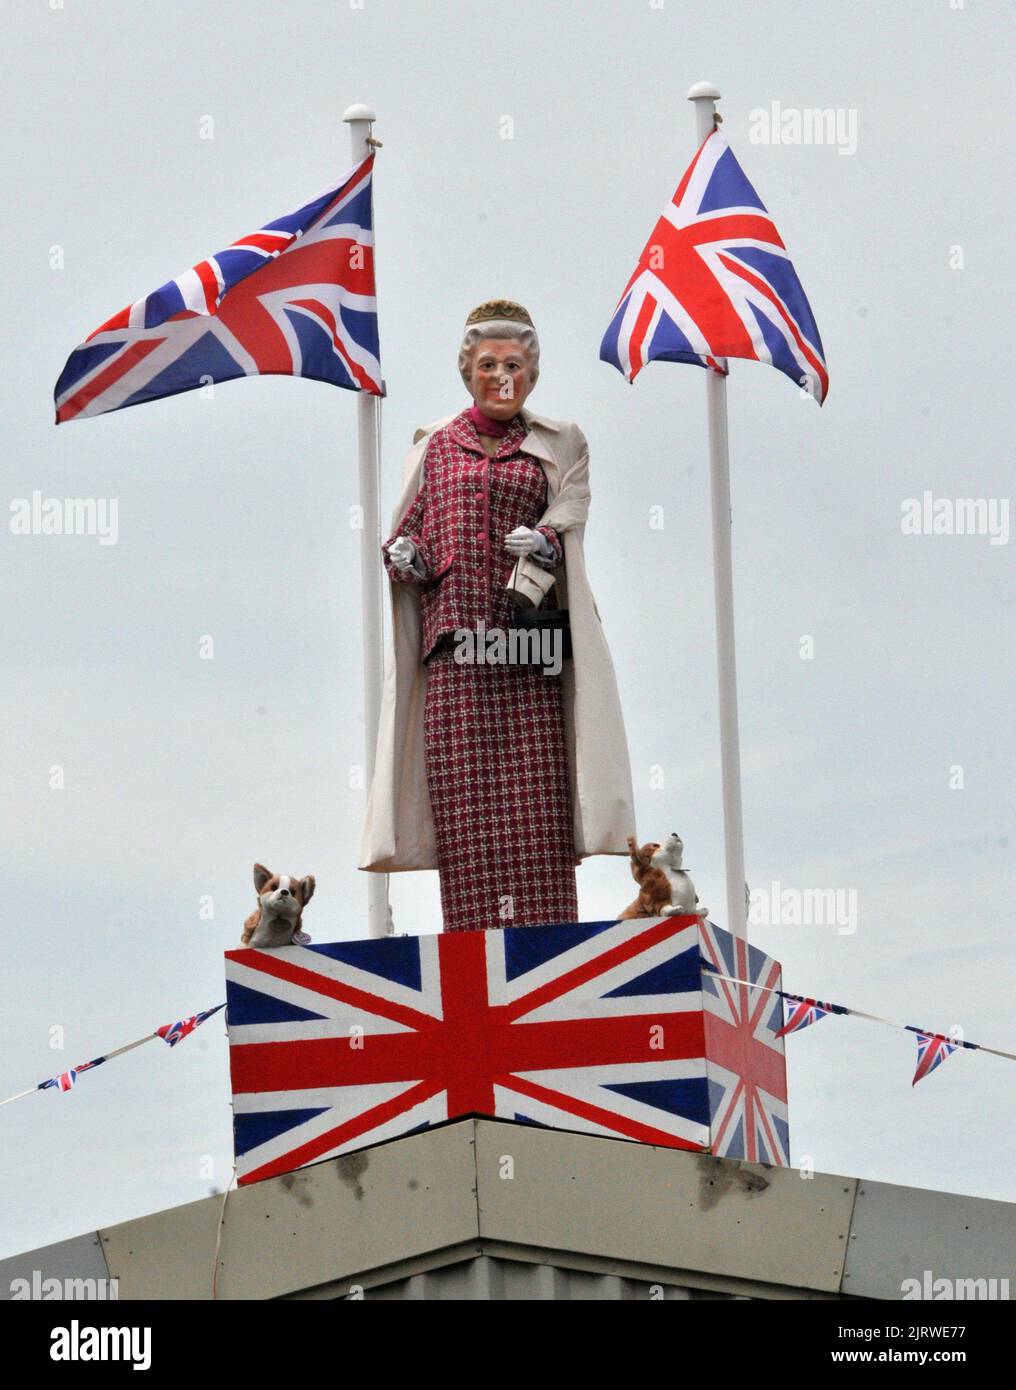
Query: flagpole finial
x,y
707,118
359,112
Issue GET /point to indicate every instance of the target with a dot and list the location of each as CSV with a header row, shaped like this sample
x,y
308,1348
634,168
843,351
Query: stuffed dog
x,y
665,889
281,900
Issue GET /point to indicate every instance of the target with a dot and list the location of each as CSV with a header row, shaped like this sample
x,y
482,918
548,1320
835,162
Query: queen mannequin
x,y
501,776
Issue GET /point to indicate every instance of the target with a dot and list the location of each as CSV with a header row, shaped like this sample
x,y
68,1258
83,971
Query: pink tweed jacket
x,y
466,505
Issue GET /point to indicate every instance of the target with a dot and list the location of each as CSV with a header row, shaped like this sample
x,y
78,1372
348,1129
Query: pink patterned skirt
x,y
497,773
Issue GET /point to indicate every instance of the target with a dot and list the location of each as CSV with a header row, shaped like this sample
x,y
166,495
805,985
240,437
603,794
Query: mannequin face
x,y
500,379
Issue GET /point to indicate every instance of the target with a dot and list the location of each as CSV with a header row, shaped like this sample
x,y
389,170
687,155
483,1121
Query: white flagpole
x,y
368,409
705,96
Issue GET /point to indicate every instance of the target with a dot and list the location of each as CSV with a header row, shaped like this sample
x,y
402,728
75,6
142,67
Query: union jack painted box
x,y
655,1031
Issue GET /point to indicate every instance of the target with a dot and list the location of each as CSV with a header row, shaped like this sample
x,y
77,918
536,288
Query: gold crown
x,y
500,309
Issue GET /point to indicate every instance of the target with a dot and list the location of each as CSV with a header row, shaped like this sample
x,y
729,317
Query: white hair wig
x,y
500,330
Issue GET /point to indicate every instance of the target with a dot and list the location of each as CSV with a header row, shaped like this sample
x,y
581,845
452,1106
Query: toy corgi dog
x,y
281,900
665,889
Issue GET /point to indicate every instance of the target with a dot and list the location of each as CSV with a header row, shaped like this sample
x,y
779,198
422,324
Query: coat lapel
x,y
540,441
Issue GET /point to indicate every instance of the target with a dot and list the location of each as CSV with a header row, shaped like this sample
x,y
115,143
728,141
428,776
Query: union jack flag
x,y
715,281
295,298
67,1079
932,1051
803,1012
173,1033
746,1069
601,1027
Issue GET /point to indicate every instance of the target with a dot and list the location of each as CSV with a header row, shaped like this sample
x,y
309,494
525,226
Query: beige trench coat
x,y
399,828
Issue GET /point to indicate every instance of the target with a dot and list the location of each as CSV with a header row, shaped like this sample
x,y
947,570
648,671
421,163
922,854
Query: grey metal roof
x,y
487,1209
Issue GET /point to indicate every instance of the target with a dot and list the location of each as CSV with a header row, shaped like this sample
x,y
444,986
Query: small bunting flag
x,y
932,1050
64,1082
67,1079
801,1013
173,1033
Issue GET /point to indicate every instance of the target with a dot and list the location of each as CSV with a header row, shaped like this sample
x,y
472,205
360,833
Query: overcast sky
x,y
880,765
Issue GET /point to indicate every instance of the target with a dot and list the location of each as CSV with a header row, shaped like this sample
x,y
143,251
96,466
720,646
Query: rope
x,y
218,1233
858,1013
117,1052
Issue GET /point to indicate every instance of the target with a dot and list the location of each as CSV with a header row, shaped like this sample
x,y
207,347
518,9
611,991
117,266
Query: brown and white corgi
x,y
281,900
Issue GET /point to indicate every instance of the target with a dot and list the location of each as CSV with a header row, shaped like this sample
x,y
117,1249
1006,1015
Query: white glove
x,y
525,541
402,553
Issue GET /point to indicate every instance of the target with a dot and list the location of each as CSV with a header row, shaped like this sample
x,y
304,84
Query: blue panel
x,y
725,946
677,975
729,188
608,347
394,958
527,947
361,326
687,1097
756,962
780,273
775,1020
82,361
355,212
735,1149
318,358
782,1133
300,218
206,358
163,303
235,265
716,1094
250,1130
244,1005
669,344
776,341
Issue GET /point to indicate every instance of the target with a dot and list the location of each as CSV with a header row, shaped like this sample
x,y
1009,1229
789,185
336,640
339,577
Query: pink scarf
x,y
485,425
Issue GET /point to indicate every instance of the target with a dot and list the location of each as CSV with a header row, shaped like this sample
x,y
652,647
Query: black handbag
x,y
554,621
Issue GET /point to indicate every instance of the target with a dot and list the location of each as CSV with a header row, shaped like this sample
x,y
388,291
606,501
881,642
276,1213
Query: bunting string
x,y
170,1033
932,1047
